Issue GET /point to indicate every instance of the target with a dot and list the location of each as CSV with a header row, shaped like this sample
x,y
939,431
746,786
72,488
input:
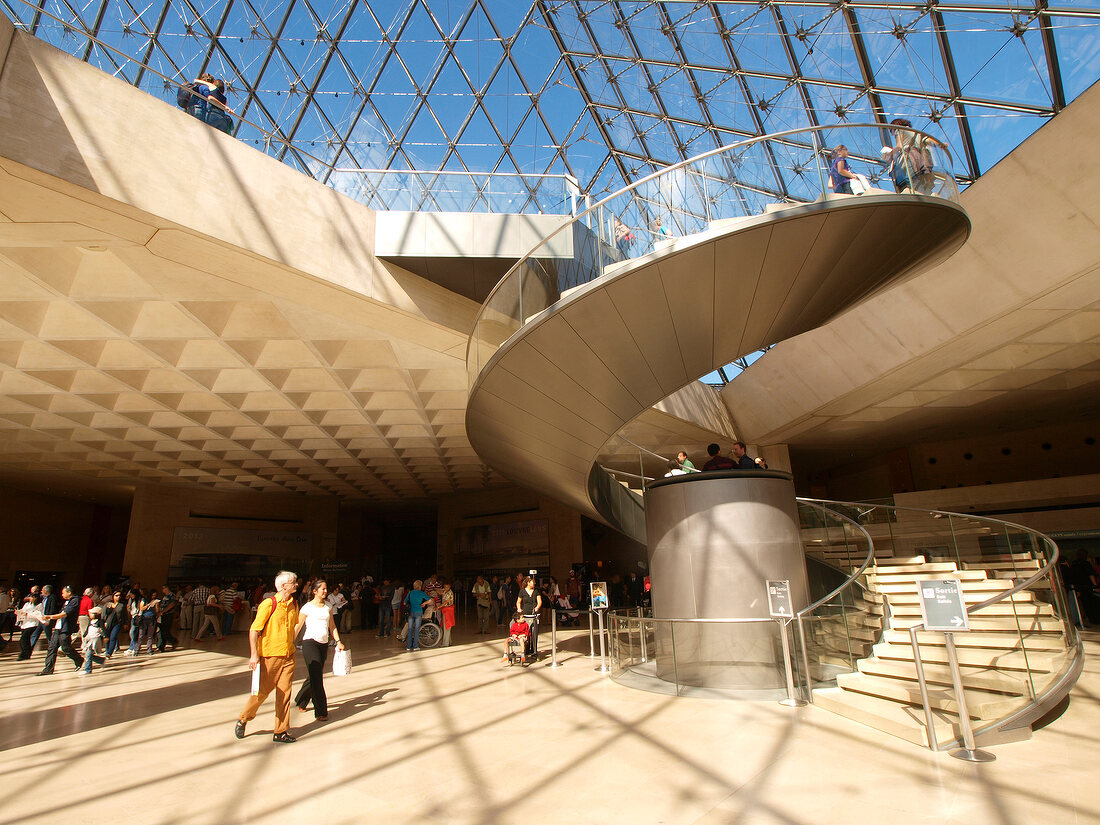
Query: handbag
x,y
341,663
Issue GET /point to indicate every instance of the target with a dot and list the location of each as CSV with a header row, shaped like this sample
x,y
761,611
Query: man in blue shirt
x,y
65,625
416,600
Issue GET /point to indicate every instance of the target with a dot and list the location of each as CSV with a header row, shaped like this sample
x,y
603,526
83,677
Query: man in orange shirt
x,y
271,640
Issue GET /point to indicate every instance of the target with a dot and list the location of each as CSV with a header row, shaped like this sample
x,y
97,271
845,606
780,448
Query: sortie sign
x,y
941,606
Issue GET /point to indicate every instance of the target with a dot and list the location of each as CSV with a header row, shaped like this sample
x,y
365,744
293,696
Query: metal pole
x,y
968,753
929,722
641,633
791,701
603,668
553,638
591,637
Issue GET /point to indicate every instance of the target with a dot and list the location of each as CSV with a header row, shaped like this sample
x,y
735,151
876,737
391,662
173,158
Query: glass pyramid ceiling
x,y
604,92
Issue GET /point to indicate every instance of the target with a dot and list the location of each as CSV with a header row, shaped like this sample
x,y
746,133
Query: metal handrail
x,y
775,136
859,572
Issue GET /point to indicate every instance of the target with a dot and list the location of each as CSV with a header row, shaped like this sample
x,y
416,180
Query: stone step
x,y
1029,609
980,704
921,575
969,597
1030,565
890,568
904,721
969,582
981,678
1009,640
1015,660
984,622
988,586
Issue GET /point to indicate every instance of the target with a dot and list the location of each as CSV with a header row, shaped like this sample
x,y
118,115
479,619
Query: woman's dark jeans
x,y
112,639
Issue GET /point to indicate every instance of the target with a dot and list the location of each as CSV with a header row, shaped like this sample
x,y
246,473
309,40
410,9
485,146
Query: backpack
x,y
184,94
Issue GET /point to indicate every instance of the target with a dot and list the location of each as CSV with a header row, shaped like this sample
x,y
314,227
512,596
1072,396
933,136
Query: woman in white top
x,y
316,616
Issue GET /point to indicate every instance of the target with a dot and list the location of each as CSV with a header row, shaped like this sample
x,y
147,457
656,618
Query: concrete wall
x,y
467,235
81,540
159,509
505,505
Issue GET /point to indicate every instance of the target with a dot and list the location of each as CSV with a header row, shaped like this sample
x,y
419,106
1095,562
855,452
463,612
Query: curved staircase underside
x,y
555,392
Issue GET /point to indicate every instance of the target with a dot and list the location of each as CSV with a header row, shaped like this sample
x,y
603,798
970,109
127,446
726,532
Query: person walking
x,y
529,603
29,617
114,617
271,649
385,609
316,616
65,626
416,599
483,593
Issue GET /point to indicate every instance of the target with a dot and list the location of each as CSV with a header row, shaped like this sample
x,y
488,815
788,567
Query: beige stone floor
x,y
449,736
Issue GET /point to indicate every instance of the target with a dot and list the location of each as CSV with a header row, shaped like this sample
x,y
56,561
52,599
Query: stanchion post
x,y
968,753
791,701
641,634
591,637
554,638
603,668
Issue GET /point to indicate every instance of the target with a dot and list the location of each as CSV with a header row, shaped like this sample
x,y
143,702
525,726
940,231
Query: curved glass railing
x,y
1019,658
709,193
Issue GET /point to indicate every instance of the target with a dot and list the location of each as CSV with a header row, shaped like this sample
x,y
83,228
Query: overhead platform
x,y
547,401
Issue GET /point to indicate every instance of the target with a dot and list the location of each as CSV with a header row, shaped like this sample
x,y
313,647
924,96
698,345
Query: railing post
x,y
591,637
603,668
929,721
968,753
791,701
554,637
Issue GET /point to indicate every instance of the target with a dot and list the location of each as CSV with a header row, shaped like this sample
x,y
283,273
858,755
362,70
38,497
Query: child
x,y
91,640
519,632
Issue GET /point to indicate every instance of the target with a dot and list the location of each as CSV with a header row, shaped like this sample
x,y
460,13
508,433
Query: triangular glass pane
x,y
822,43
420,46
1078,46
451,98
507,100
477,49
394,96
994,64
903,51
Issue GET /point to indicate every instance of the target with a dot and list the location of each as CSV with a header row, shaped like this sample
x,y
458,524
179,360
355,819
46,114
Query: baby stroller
x,y
515,651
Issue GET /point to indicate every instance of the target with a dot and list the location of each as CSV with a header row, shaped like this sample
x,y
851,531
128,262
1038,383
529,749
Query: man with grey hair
x,y
271,643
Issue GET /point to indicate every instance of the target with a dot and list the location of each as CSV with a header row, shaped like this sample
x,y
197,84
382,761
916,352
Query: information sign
x,y
941,606
779,599
598,595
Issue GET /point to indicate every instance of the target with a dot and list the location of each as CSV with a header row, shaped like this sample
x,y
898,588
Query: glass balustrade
x,y
707,196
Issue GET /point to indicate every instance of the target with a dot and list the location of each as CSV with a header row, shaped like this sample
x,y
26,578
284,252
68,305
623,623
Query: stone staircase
x,y
1013,651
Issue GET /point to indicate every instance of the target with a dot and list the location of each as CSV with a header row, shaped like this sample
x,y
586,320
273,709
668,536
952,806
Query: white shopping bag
x,y
341,663
256,680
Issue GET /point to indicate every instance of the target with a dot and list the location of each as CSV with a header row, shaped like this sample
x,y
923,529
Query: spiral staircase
x,y
564,354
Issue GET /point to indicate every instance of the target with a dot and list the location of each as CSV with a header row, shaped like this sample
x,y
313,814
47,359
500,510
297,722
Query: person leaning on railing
x,y
204,98
909,161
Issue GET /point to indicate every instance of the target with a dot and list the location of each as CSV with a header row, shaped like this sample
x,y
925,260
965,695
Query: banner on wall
x,y
215,553
514,545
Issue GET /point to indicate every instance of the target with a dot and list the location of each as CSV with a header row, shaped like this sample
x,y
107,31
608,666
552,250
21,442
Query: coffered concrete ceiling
x,y
132,353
